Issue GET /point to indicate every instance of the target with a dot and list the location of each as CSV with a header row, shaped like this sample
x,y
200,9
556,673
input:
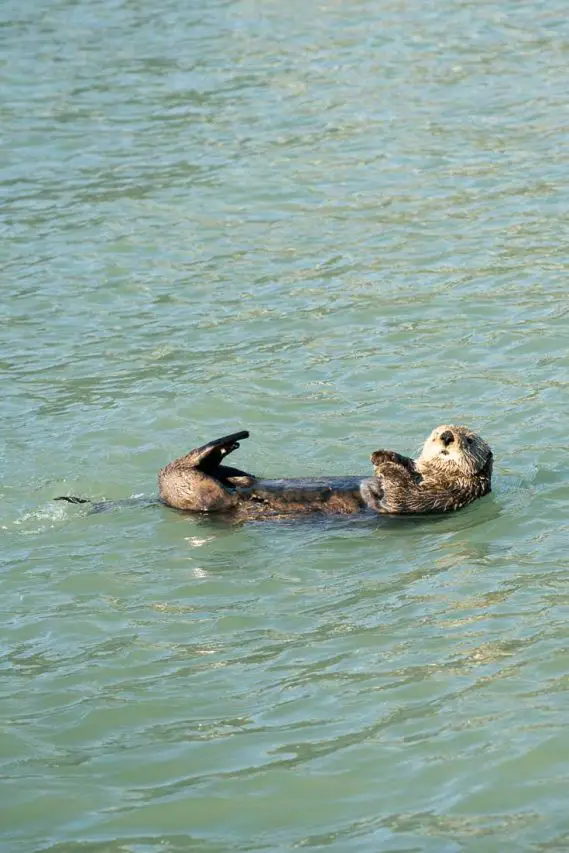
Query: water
x,y
336,225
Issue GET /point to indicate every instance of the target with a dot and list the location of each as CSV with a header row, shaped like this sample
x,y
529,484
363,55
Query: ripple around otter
x,y
336,225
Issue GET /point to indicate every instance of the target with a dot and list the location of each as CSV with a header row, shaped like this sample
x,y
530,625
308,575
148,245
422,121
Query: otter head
x,y
455,450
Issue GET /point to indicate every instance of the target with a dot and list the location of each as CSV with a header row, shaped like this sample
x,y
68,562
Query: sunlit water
x,y
336,225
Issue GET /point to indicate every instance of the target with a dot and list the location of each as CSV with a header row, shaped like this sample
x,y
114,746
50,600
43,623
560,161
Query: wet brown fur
x,y
453,469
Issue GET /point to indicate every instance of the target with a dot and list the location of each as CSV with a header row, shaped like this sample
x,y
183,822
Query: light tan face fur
x,y
455,447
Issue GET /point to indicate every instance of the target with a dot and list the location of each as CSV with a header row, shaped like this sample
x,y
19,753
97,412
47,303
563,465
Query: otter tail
x,y
71,499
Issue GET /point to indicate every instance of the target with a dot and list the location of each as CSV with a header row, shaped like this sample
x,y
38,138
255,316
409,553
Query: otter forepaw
x,y
391,456
373,493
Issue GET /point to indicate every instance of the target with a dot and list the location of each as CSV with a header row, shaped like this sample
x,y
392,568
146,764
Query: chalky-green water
x,y
337,225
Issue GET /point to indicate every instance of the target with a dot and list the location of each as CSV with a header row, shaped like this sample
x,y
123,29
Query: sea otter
x,y
453,469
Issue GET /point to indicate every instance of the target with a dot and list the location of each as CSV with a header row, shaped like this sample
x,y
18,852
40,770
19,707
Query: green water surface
x,y
338,225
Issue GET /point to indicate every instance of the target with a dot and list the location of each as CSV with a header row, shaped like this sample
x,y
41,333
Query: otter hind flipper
x,y
208,456
72,499
197,482
233,477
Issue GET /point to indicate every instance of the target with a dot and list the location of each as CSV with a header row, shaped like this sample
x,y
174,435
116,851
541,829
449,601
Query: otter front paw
x,y
381,456
373,493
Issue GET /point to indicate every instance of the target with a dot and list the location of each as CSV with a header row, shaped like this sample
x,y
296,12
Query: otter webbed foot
x,y
234,477
197,482
208,456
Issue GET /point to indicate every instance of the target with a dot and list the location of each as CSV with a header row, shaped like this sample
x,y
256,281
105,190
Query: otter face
x,y
455,447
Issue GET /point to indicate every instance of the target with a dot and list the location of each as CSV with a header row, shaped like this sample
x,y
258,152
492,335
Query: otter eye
x,y
469,439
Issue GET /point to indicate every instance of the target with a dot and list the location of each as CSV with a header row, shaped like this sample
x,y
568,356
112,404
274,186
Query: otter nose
x,y
447,437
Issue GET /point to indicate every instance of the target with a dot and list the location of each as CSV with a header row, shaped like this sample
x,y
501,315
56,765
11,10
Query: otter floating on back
x,y
453,469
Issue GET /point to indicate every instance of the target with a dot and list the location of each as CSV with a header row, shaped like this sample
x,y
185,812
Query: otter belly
x,y
306,494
